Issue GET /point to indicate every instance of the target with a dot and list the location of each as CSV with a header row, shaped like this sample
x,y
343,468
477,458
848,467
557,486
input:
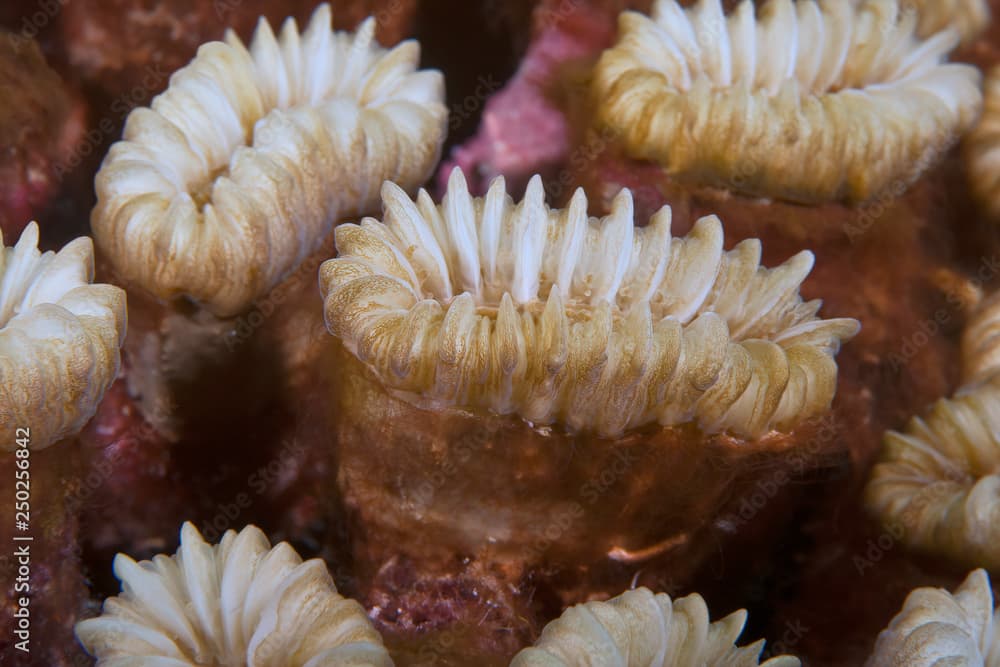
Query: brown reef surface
x,y
41,120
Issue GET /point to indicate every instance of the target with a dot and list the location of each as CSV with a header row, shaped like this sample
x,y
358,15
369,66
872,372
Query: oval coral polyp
x,y
936,627
811,102
638,628
239,603
593,324
60,340
241,167
938,482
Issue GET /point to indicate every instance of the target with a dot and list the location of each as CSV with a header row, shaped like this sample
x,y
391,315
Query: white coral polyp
x,y
640,629
60,338
936,628
982,149
240,603
808,101
593,324
938,482
242,166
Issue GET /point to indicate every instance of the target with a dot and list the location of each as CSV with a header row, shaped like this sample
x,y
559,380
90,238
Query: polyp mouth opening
x,y
493,251
268,86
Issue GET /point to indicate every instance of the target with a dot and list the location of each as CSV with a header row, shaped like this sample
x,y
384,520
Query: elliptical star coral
x,y
242,166
938,484
936,627
982,149
240,603
812,101
639,629
592,324
60,338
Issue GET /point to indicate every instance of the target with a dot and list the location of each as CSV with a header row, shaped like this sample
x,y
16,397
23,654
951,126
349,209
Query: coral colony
x,y
742,355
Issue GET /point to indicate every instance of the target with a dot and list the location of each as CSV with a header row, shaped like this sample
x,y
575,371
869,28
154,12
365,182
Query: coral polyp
x,y
59,340
744,101
936,627
240,603
593,324
638,628
938,483
225,184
